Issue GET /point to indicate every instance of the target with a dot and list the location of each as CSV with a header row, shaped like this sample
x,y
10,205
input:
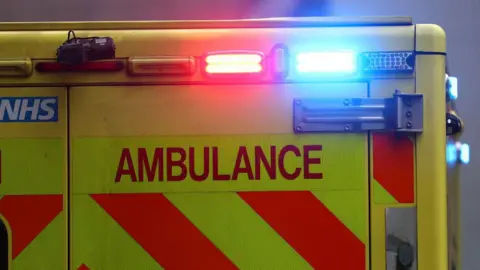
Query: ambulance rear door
x,y
33,177
230,147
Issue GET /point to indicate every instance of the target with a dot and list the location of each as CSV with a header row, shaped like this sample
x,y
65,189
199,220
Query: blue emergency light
x,y
452,87
458,153
465,154
349,62
452,154
326,62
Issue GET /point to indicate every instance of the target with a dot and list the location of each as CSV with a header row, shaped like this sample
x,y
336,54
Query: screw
x,y
408,114
346,102
299,128
408,102
298,102
347,127
409,124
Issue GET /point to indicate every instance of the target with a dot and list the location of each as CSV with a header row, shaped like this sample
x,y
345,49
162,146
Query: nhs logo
x,y
28,109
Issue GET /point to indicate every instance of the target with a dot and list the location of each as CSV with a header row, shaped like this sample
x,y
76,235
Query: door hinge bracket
x,y
402,113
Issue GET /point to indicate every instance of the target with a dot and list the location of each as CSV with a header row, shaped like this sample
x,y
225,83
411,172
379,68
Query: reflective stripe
x,y
238,231
163,231
349,207
393,166
47,250
212,231
98,242
310,228
380,195
27,216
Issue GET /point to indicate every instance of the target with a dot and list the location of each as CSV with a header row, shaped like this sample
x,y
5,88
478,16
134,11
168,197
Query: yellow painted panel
x,y
113,166
137,111
431,162
377,236
32,166
121,137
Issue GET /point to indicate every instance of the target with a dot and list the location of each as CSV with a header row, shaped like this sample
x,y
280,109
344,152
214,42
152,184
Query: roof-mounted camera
x,y
79,50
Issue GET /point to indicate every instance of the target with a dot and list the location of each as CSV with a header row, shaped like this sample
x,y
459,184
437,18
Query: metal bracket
x,y
400,113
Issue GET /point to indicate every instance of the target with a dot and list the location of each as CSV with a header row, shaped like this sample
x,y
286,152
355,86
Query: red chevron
x,y
163,231
393,166
310,228
28,215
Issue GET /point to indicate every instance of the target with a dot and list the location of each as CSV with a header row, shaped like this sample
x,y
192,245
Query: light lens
x,y
101,66
452,154
465,153
234,63
458,153
326,62
453,88
388,61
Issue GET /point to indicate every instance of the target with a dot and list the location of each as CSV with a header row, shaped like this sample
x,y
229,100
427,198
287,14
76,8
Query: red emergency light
x,y
234,63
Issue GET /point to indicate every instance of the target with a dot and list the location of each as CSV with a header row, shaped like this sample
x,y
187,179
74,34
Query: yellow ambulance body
x,y
314,143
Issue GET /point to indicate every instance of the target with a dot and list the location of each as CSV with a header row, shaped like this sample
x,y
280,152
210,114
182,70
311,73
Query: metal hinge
x,y
400,113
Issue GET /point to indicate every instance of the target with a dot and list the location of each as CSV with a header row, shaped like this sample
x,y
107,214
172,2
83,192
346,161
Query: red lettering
x,y
144,165
130,170
261,159
281,162
180,163
216,174
242,158
307,161
191,164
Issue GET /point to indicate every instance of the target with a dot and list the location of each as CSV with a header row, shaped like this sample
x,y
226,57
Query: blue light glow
x,y
326,62
452,154
453,88
465,153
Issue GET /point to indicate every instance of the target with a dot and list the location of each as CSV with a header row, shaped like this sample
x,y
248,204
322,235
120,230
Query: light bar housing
x,y
388,62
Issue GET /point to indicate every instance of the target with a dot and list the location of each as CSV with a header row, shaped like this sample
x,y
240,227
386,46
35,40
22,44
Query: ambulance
x,y
284,143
